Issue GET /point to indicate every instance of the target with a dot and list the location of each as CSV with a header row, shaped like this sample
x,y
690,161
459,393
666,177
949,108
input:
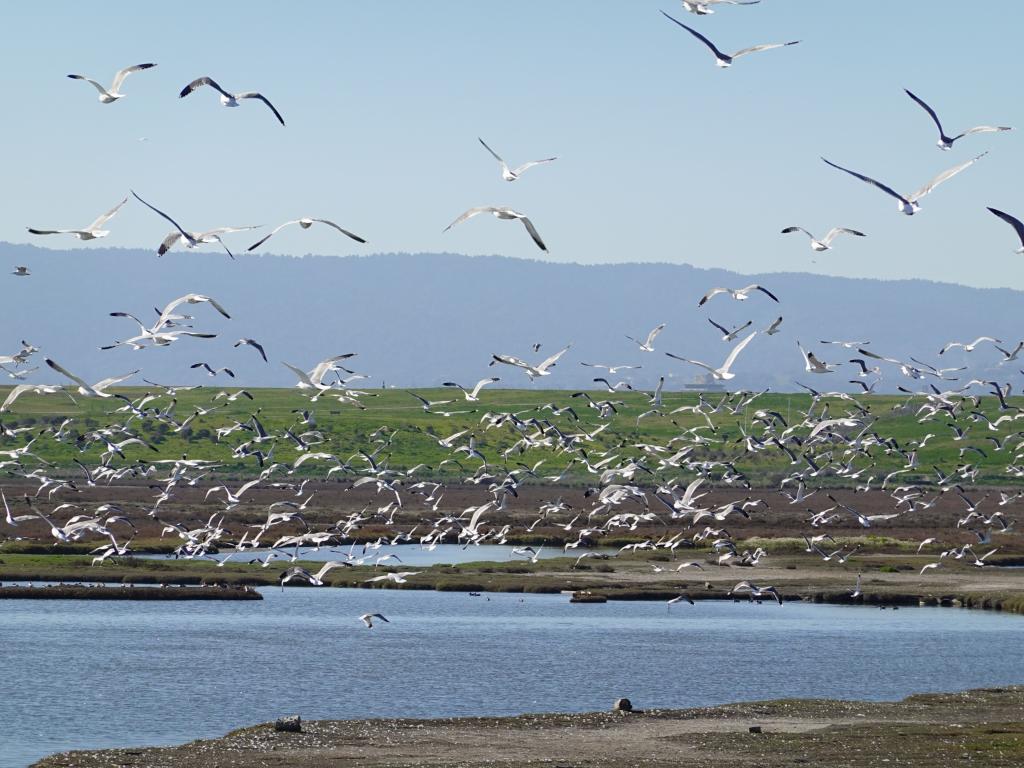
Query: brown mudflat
x,y
975,728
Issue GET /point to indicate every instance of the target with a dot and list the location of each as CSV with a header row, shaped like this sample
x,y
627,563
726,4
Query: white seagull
x,y
21,272
946,142
92,232
113,94
724,60
908,204
1013,221
722,372
740,294
367,619
306,223
533,371
228,99
648,344
501,212
99,389
824,243
191,239
474,395
812,364
514,173
314,378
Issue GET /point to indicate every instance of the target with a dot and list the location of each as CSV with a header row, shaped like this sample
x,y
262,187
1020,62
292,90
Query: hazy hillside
x,y
419,319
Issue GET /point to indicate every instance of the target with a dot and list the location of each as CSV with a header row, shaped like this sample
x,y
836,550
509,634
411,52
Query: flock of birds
x,y
651,487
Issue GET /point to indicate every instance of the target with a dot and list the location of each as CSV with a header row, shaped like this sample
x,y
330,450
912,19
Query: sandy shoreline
x,y
979,728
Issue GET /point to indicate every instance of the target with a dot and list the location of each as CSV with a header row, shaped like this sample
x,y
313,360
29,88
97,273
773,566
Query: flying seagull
x,y
514,173
722,372
473,395
1013,221
306,223
704,7
724,60
541,369
647,345
740,294
190,239
908,204
113,94
367,619
946,142
95,390
254,344
812,364
728,335
501,213
228,99
91,232
824,243
21,272
772,329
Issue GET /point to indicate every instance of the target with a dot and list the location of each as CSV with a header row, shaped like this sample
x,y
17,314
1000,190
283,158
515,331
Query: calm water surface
x,y
84,674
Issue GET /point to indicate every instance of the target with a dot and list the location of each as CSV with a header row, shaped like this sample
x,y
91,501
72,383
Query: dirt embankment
x,y
982,728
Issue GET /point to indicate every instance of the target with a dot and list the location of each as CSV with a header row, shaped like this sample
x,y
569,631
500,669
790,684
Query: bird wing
x,y
101,385
321,369
1013,221
494,154
530,164
264,99
258,347
533,233
470,214
121,74
91,82
788,230
51,231
64,371
698,35
983,129
736,351
836,231
553,359
224,231
763,290
14,394
869,180
273,232
719,327
929,110
692,362
653,334
945,175
101,220
509,360
168,242
762,47
710,294
481,384
199,82
345,232
188,237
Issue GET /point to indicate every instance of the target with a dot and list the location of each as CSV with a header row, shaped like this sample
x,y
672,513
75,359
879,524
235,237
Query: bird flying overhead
x,y
229,99
722,59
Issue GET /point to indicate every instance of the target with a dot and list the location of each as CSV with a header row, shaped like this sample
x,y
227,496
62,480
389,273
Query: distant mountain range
x,y
420,319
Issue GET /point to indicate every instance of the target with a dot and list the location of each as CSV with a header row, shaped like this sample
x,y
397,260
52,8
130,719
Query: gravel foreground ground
x,y
976,728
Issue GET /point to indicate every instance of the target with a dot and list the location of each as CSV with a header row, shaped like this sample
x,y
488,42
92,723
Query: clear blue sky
x,y
662,157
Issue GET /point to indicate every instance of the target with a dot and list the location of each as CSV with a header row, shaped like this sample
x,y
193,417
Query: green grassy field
x,y
395,422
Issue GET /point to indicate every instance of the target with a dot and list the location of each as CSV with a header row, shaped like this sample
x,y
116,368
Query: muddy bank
x,y
978,728
127,592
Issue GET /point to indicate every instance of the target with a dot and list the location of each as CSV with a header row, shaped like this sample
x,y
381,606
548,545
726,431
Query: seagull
x,y
213,372
856,590
703,7
612,369
969,346
721,373
740,294
908,204
772,329
306,223
728,335
681,598
96,390
826,242
500,212
228,99
474,395
812,364
112,95
254,344
724,60
398,578
92,232
1013,221
367,619
945,142
533,371
756,591
514,173
191,239
21,272
314,378
646,346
